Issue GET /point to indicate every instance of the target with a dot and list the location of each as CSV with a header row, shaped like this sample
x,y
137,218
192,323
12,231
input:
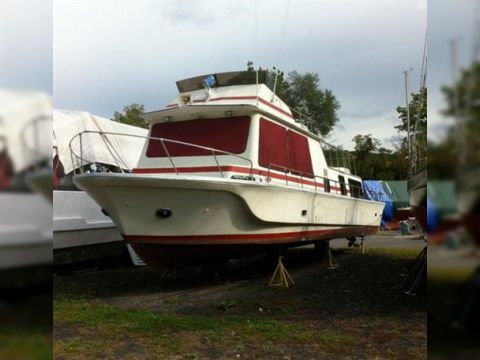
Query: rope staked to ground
x,y
281,277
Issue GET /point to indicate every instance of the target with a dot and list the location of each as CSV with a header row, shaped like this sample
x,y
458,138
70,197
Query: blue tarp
x,y
373,190
433,215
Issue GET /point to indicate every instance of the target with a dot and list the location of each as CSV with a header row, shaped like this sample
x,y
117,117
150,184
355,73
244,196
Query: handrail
x,y
336,183
163,141
33,125
214,154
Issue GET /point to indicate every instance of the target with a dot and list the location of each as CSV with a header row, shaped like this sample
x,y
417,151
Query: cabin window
x,y
273,146
355,188
326,185
281,148
343,186
299,154
226,134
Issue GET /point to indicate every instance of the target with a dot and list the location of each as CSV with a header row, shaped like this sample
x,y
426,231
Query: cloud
x,y
196,13
109,54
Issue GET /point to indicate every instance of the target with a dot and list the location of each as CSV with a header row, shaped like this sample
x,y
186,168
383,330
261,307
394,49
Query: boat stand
x,y
332,262
362,247
415,280
281,277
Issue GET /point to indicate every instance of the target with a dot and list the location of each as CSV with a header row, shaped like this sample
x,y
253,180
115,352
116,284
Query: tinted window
x,y
273,146
282,148
343,187
299,154
355,188
226,134
326,184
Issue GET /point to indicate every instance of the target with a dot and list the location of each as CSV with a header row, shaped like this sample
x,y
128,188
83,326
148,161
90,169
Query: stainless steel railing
x,y
78,160
337,185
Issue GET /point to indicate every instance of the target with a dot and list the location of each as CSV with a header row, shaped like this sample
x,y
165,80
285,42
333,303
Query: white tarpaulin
x,y
116,150
25,127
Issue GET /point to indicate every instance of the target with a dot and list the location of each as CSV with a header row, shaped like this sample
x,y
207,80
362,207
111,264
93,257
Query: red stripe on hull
x,y
263,101
239,239
229,168
164,251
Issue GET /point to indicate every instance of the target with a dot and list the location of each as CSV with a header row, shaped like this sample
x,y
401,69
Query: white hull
x,y
79,221
214,211
25,231
81,231
41,182
215,206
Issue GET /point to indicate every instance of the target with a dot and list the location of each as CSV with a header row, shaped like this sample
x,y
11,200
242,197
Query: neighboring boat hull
x,y
25,239
42,183
211,217
417,190
81,232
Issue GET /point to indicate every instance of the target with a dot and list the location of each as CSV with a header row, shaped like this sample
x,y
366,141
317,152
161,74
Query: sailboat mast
x,y
407,109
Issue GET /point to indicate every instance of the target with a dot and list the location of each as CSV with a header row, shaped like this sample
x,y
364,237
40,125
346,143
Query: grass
x,y
396,253
94,321
316,318
449,275
21,344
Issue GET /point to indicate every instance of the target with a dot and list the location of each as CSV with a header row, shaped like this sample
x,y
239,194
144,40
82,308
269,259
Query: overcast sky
x,y
107,54
111,53
26,56
447,20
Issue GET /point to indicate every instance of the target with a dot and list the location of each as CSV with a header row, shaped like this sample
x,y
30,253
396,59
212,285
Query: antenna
x,y
280,48
256,50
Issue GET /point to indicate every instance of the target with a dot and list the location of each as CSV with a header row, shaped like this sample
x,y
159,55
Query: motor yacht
x,y
226,170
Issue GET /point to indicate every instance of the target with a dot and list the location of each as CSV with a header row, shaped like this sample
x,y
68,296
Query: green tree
x,y
463,103
418,112
131,115
373,161
365,146
311,104
418,126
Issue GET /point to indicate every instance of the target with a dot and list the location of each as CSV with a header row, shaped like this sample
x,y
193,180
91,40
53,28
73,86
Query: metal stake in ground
x,y
281,277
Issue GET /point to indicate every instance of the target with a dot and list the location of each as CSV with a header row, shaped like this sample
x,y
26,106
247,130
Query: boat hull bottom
x,y
471,222
164,251
420,213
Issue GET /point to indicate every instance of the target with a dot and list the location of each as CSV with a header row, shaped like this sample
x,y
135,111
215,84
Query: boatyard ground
x,y
350,312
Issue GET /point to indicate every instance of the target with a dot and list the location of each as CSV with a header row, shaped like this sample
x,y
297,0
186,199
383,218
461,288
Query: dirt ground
x,y
352,312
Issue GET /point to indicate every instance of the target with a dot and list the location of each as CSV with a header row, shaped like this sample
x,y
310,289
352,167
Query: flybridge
x,y
227,93
232,78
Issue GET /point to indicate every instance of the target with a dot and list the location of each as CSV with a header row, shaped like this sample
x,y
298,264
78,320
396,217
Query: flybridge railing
x,y
79,161
338,158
